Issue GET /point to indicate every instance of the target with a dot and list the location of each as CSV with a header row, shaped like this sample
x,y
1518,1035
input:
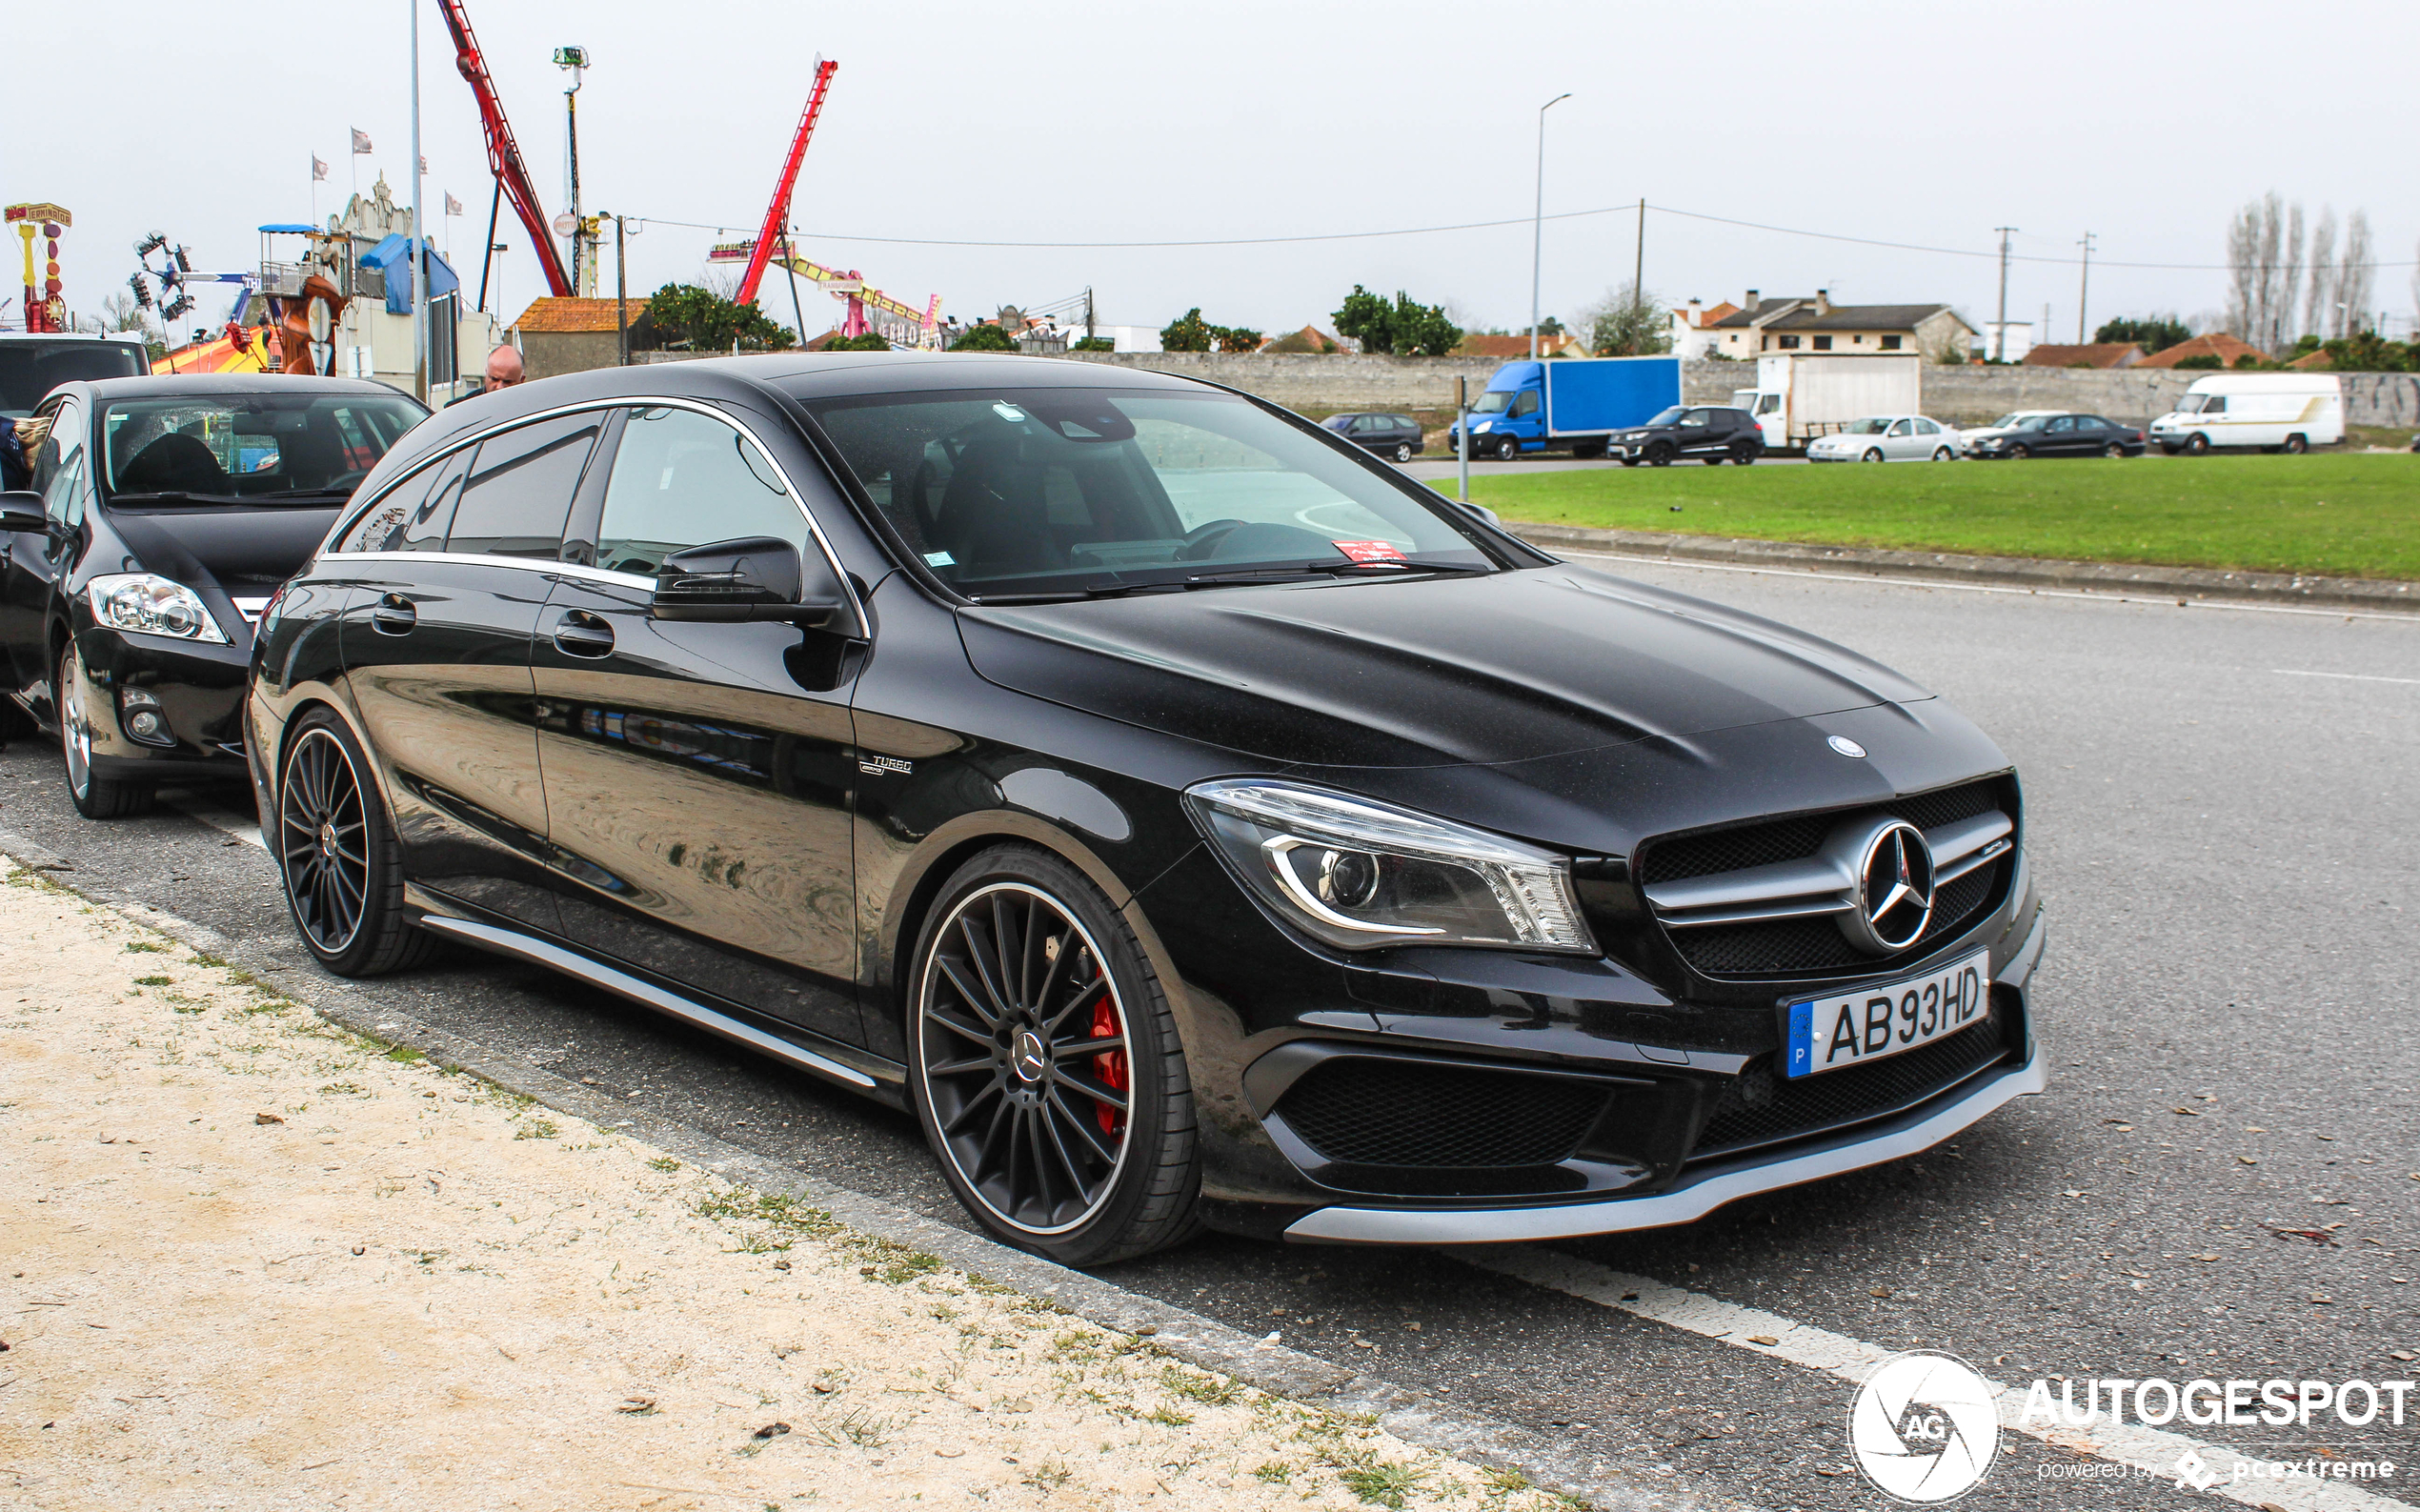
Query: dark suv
x,y
1711,434
1386,433
1187,816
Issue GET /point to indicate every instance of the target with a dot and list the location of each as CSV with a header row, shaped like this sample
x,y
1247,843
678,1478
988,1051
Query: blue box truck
x,y
1573,402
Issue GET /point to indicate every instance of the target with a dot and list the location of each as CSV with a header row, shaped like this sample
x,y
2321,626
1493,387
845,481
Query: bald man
x,y
504,371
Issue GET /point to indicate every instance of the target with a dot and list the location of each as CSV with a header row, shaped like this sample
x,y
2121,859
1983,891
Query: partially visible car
x,y
33,363
2013,420
1388,433
2060,435
164,513
1887,438
1708,434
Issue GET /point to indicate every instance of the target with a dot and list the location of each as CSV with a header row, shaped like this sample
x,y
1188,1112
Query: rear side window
x,y
1526,404
519,492
681,480
1404,422
416,513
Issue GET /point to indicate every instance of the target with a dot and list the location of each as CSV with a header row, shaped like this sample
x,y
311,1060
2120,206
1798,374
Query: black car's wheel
x,y
1743,456
1045,1066
1660,454
1403,451
94,798
2197,445
2113,449
2022,454
2297,445
336,850
1873,454
1508,449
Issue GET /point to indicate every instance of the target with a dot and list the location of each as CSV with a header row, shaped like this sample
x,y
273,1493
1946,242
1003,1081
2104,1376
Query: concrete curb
x,y
1413,1416
2125,578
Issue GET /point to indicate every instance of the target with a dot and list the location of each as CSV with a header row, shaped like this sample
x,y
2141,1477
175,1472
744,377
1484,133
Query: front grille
x,y
1378,1112
1815,946
1762,1108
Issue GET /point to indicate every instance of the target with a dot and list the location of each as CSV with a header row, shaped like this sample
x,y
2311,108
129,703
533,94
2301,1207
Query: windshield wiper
x,y
1245,578
309,495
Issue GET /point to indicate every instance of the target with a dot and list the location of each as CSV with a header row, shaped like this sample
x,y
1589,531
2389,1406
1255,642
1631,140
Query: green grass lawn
x,y
2345,516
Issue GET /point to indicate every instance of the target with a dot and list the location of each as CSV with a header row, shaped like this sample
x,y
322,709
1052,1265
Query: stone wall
x,y
1966,396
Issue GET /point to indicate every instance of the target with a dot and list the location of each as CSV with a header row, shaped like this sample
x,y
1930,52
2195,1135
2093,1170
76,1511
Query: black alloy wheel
x,y
1403,451
1743,456
2297,445
337,854
95,797
1508,449
2023,454
2113,449
1046,1069
2197,445
1660,454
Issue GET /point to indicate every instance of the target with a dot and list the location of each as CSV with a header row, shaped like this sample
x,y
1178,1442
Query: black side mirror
x,y
753,577
21,510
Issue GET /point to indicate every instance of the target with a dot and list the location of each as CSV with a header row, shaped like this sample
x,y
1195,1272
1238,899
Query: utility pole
x,y
2000,338
1538,223
2083,291
621,290
1461,434
419,231
1639,269
583,269
1088,311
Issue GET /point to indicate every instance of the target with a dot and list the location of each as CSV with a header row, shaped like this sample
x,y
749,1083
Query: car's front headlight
x,y
153,605
1366,876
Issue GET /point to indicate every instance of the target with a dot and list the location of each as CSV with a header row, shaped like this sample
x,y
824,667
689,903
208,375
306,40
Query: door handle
x,y
393,615
581,634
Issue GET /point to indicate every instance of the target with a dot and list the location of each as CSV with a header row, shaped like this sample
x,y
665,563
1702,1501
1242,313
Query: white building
x,y
2020,341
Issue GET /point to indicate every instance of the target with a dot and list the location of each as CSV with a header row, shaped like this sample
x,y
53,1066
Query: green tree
x,y
1368,319
2205,360
2153,332
985,337
1628,322
1234,338
1187,332
867,341
1405,327
2366,352
703,320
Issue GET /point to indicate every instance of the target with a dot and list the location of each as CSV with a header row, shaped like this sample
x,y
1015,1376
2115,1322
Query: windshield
x,y
1670,417
2195,403
1495,401
1048,491
2019,420
29,370
254,448
1871,425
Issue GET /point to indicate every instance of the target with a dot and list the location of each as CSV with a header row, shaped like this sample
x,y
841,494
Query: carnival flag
x,y
453,206
360,142
318,168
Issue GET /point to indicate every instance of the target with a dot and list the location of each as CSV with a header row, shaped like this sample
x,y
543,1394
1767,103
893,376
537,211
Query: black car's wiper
x,y
303,496
1246,578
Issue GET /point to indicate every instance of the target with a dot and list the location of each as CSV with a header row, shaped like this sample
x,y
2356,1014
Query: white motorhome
x,y
2290,412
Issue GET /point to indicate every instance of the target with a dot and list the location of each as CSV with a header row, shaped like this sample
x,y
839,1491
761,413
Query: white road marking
x,y
2137,596
226,822
2154,1451
2349,676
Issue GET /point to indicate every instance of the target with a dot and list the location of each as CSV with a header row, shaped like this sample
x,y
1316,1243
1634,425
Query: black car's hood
x,y
241,550
1508,667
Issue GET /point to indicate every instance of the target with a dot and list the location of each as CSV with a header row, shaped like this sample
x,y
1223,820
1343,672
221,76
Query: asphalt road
x,y
2222,808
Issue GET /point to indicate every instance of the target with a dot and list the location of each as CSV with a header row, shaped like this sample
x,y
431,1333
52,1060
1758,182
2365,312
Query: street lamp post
x,y
1538,222
419,232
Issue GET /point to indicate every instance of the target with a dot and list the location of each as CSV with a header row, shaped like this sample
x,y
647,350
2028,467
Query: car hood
x,y
240,549
1426,672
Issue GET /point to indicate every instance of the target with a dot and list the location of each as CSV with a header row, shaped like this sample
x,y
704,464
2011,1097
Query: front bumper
x,y
1703,1188
197,689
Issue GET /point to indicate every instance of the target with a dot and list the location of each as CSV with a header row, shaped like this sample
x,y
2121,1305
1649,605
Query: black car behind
x,y
163,514
2061,435
1387,433
1708,434
1187,818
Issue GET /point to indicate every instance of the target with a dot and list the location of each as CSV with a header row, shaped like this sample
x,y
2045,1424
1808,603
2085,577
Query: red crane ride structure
x,y
504,157
849,285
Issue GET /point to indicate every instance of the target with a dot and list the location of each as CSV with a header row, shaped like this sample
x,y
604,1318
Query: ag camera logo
x,y
1925,1428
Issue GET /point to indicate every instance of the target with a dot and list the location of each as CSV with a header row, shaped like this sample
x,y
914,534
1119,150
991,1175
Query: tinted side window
x,y
1526,404
681,480
1404,422
520,492
413,515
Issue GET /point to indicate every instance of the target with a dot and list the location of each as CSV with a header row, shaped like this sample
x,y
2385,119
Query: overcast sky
x,y
1892,120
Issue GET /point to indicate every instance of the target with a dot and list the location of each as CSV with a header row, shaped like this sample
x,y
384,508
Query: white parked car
x,y
2013,420
1889,438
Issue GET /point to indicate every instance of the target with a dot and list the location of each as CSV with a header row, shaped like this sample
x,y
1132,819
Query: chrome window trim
x,y
797,500
334,560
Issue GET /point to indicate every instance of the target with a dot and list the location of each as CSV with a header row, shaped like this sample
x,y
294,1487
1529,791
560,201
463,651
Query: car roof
x,y
174,384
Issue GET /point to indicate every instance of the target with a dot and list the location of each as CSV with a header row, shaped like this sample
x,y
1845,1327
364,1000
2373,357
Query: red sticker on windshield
x,y
1369,550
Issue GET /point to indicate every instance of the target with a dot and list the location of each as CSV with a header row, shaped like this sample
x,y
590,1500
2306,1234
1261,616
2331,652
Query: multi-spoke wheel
x,y
95,797
337,854
1047,1067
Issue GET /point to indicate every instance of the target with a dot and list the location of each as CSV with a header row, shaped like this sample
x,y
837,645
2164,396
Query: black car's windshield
x,y
1495,401
249,448
32,368
1670,417
1043,491
2019,420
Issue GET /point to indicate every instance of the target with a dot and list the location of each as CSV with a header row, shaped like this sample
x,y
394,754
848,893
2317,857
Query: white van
x,y
2293,411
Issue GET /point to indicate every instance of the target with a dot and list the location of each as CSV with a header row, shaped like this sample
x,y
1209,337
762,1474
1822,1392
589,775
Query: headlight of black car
x,y
1367,875
153,605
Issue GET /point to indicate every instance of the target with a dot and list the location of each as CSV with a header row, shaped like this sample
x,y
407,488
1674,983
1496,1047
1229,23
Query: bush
x,y
1234,338
1092,344
2151,333
985,338
2371,352
1404,327
2206,359
2251,359
867,342
703,320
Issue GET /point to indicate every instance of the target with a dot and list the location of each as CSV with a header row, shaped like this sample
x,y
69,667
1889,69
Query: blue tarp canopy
x,y
393,258
290,228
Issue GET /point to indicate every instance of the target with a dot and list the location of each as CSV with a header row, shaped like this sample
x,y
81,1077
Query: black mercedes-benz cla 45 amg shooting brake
x,y
1193,822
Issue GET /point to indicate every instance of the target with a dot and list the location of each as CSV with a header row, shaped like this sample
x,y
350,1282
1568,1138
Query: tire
x,y
2297,445
94,798
1660,454
1743,455
2113,449
1068,1175
346,899
1402,452
2197,445
2023,454
1508,449
1943,454
1873,454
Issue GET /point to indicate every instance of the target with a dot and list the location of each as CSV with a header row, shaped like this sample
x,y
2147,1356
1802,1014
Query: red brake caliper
x,y
1112,1065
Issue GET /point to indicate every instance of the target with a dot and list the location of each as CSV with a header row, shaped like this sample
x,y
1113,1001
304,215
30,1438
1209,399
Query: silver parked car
x,y
1889,438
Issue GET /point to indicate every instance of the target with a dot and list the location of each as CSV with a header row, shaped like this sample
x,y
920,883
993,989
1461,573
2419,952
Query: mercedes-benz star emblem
x,y
1844,745
1893,867
1028,1057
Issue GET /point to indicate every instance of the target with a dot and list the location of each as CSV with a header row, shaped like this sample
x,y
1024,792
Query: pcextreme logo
x,y
1925,1428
